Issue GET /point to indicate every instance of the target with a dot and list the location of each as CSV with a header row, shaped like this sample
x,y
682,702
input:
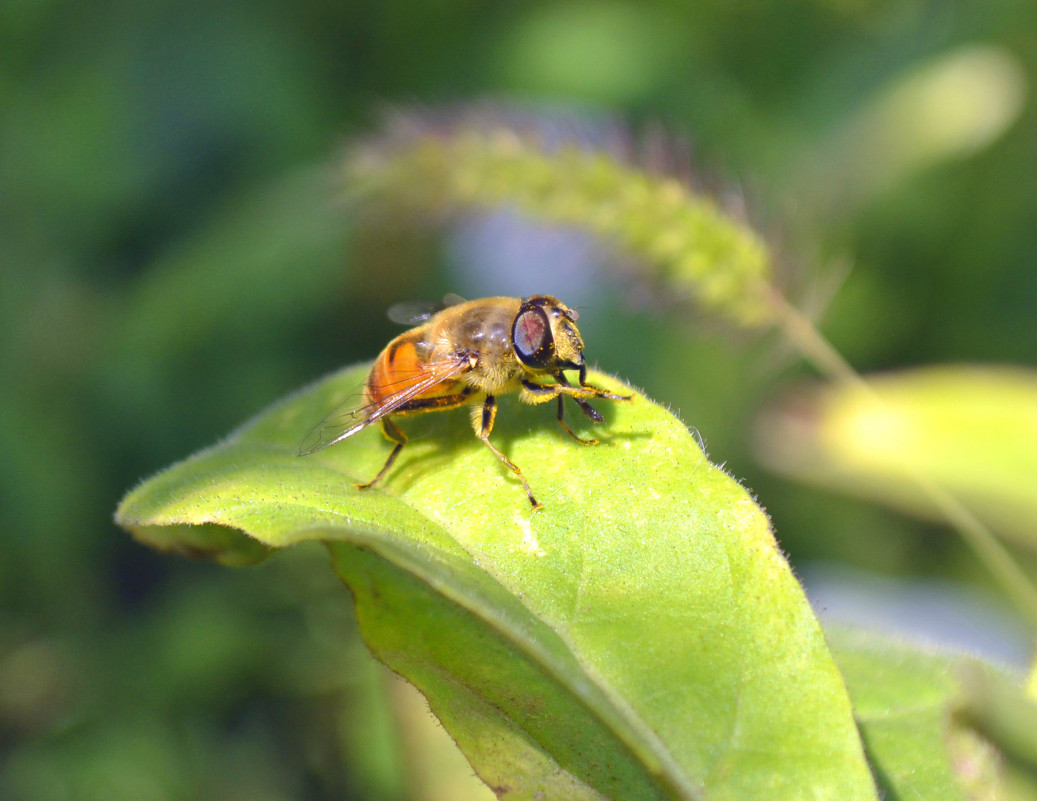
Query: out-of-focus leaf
x,y
930,723
1002,710
943,109
641,637
606,51
950,107
973,430
902,699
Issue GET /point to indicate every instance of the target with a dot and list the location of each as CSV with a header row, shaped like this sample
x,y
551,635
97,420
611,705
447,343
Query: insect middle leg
x,y
489,414
588,410
395,434
561,420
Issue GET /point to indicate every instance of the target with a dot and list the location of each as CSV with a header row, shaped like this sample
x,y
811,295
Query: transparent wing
x,y
347,420
418,311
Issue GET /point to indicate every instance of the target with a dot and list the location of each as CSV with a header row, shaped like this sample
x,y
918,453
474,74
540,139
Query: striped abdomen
x,y
404,363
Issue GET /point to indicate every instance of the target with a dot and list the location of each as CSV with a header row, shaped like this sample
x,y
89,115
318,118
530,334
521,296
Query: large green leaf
x,y
641,637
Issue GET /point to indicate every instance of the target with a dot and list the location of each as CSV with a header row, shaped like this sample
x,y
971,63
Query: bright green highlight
x,y
972,430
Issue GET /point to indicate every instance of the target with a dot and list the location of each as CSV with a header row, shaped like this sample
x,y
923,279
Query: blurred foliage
x,y
917,714
172,259
971,429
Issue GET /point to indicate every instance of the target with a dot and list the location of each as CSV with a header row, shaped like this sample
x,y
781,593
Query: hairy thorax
x,y
483,332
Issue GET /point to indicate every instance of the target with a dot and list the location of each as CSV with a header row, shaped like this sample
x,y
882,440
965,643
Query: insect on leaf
x,y
641,637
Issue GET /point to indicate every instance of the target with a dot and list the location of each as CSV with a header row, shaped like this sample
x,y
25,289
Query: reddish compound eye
x,y
531,336
529,332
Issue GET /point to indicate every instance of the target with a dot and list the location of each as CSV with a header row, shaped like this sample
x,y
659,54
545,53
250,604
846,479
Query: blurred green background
x,y
175,255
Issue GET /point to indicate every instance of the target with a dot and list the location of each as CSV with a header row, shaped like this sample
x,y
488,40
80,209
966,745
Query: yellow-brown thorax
x,y
481,328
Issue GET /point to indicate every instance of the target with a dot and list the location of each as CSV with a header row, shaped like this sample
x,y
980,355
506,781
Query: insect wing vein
x,y
340,425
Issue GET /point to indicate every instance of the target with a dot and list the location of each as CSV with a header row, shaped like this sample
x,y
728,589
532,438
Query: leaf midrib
x,y
628,727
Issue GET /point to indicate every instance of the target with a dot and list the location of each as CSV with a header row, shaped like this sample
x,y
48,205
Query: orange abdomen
x,y
403,363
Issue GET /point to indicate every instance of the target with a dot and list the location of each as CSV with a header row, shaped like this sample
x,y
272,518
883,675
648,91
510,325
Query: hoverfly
x,y
468,353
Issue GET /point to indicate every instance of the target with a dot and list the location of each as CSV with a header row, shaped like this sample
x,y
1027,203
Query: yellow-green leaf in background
x,y
641,637
970,429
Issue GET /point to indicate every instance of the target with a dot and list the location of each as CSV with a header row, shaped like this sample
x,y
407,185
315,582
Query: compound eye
x,y
531,335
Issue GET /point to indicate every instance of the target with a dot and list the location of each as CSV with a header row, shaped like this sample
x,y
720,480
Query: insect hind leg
x,y
394,434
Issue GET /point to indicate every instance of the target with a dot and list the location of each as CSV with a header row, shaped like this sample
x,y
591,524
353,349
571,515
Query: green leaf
x,y
902,699
972,430
641,637
936,725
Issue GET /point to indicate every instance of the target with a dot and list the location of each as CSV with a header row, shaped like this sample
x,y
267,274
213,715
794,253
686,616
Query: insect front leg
x,y
489,414
597,392
534,393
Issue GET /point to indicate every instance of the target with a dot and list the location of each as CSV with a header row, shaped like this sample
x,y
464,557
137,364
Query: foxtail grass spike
x,y
637,194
